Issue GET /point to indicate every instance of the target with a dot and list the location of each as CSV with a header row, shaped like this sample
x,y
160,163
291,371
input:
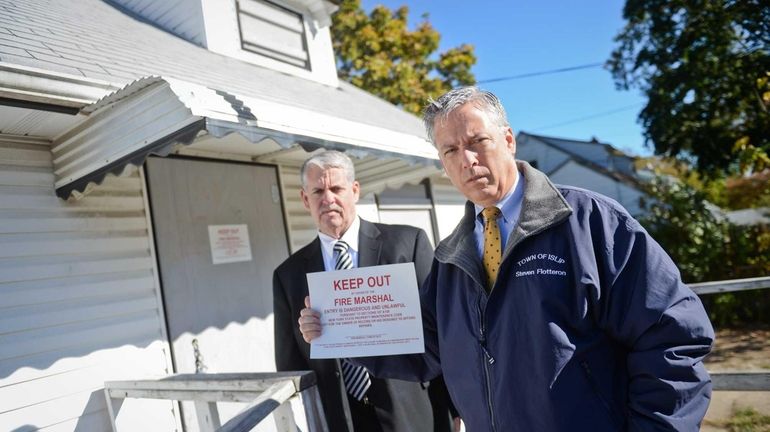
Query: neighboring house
x,y
587,164
149,157
749,216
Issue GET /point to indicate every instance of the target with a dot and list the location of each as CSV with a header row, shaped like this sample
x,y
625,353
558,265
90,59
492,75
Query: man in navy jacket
x,y
549,308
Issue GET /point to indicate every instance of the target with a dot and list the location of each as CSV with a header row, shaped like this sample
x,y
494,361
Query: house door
x,y
219,233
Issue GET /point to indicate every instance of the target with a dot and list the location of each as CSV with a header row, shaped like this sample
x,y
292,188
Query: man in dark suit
x,y
330,192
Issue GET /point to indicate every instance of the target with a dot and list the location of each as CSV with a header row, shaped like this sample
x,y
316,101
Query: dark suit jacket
x,y
400,406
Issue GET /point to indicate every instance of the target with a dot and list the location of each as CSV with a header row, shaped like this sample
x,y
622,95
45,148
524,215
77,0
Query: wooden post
x,y
316,420
260,408
208,416
284,418
741,381
113,406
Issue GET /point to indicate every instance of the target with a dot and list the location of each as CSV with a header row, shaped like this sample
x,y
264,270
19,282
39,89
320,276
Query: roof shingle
x,y
95,39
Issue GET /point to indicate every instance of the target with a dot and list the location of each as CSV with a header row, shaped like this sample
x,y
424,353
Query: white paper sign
x,y
368,311
229,243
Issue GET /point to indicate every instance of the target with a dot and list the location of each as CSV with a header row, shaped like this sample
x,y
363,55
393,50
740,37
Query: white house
x,y
137,138
587,164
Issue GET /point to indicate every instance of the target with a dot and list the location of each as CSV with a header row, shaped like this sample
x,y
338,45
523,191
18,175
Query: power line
x,y
588,117
546,72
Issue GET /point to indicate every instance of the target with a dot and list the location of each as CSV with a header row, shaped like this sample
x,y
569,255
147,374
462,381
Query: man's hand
x,y
457,424
309,322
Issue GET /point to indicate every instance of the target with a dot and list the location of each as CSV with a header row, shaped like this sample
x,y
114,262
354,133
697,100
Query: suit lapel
x,y
369,244
314,261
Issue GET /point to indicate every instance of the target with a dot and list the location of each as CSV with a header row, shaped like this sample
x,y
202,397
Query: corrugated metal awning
x,y
154,114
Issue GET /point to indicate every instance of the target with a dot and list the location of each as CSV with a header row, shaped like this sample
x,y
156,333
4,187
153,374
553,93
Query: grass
x,y
748,420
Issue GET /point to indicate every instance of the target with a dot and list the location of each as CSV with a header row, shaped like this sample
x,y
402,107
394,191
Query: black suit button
x,y
337,374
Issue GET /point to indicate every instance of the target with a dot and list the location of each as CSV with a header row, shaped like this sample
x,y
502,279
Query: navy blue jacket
x,y
588,327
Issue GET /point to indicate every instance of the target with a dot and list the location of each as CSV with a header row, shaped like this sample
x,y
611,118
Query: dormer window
x,y
273,31
289,36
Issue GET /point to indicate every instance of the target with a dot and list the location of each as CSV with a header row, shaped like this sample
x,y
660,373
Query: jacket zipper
x,y
487,361
595,388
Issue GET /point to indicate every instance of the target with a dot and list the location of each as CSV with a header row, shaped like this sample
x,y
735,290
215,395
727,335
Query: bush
x,y
707,247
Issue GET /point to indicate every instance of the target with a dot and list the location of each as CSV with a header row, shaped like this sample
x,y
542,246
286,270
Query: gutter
x,y
20,84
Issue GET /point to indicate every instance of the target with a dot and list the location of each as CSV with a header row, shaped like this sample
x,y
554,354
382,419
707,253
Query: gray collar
x,y
543,206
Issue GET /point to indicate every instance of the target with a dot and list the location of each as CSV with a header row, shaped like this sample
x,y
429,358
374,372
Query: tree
x,y
707,247
748,191
733,192
688,227
704,66
378,53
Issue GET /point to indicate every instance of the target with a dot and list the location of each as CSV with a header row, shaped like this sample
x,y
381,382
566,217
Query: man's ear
x,y
305,199
510,140
356,187
440,159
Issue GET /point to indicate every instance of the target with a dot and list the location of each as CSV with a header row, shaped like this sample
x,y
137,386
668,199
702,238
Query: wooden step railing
x,y
266,393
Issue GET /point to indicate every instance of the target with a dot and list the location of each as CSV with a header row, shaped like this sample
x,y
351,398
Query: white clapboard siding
x,y
544,157
75,288
41,268
15,176
302,229
183,18
55,223
80,390
575,174
79,300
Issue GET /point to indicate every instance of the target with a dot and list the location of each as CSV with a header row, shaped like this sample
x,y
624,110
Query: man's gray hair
x,y
329,159
440,108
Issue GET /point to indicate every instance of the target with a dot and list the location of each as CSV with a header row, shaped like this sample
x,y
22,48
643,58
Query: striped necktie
x,y
356,378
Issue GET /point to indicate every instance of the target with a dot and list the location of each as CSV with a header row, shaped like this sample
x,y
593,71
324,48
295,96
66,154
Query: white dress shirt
x,y
350,237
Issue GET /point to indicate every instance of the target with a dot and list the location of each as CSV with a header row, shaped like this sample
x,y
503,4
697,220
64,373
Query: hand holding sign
x,y
367,311
309,322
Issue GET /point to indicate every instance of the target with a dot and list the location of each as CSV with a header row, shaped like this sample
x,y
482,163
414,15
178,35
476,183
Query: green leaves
x,y
703,66
706,246
378,53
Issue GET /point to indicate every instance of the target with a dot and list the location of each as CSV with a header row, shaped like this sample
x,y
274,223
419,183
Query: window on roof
x,y
273,31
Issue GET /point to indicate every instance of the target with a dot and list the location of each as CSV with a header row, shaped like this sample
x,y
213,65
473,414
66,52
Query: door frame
x,y
149,214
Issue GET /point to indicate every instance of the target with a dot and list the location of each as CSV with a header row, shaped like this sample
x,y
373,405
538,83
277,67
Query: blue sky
x,y
516,37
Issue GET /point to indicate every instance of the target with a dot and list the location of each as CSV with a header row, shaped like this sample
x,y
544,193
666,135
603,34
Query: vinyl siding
x,y
574,174
79,300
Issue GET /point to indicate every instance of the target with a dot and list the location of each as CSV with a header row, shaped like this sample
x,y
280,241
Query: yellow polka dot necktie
x,y
492,245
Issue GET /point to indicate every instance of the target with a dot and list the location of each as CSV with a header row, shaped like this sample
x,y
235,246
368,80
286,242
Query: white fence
x,y
738,380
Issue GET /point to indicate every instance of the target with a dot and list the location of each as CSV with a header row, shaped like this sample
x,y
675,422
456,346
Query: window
x,y
273,31
408,205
